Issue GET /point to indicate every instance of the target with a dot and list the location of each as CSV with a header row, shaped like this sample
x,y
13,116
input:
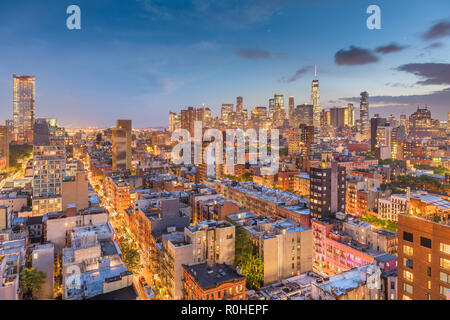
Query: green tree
x,y
130,255
31,281
252,267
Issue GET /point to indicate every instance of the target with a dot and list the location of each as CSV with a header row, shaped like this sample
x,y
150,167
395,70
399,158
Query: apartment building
x,y
118,192
284,246
335,251
302,183
424,256
212,282
91,264
12,262
268,202
208,241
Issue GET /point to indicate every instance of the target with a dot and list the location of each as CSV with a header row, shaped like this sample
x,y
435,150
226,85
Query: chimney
x,y
71,210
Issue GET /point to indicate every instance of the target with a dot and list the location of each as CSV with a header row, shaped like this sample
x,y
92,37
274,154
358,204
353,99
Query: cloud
x,y
253,54
297,75
354,56
431,73
393,47
437,99
434,45
439,30
400,85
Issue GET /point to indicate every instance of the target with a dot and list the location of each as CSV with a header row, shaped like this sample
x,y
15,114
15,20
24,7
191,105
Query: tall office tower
x,y
337,117
424,254
364,114
127,126
239,105
240,116
4,147
121,145
315,100
375,122
226,114
405,123
291,111
23,108
49,163
271,108
280,111
350,115
448,122
174,122
327,190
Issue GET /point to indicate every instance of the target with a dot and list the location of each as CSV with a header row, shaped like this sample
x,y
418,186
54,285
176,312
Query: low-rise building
x,y
212,282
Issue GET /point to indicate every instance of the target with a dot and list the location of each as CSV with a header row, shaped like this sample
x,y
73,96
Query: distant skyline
x,y
140,59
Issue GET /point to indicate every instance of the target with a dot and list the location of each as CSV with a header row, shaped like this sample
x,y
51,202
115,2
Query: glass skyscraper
x,y
23,108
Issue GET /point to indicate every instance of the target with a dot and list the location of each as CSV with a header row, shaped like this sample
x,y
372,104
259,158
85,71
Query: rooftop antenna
x,y
315,72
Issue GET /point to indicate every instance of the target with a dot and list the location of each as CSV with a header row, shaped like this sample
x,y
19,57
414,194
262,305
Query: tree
x,y
31,280
251,265
253,268
130,255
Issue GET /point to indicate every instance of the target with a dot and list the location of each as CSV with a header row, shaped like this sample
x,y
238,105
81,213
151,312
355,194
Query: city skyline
x,y
133,50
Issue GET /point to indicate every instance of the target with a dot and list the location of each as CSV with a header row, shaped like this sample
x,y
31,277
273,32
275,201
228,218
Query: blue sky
x,y
140,59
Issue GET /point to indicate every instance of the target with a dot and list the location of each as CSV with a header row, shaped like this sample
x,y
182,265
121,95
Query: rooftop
x,y
208,277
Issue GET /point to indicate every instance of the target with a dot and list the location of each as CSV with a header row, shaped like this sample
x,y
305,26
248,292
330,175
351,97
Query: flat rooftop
x,y
208,277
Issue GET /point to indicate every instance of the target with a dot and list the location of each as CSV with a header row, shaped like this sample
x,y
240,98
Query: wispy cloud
x,y
430,73
434,45
437,99
390,48
297,75
253,54
354,56
438,30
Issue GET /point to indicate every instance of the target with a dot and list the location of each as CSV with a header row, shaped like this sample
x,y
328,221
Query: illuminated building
x,y
212,282
23,108
364,114
424,254
4,147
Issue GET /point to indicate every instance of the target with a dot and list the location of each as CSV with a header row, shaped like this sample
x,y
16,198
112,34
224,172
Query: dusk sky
x,y
140,59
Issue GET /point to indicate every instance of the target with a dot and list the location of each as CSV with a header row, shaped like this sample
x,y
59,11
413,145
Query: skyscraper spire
x,y
315,72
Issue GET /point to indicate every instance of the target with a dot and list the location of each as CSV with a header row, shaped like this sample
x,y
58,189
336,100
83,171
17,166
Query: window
x,y
445,248
405,297
443,290
444,277
408,263
408,275
429,271
425,242
408,236
445,263
408,250
408,288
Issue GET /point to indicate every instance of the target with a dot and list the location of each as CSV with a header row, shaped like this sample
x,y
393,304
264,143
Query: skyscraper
x,y
121,148
350,115
375,123
23,108
291,110
239,105
364,114
4,147
315,100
